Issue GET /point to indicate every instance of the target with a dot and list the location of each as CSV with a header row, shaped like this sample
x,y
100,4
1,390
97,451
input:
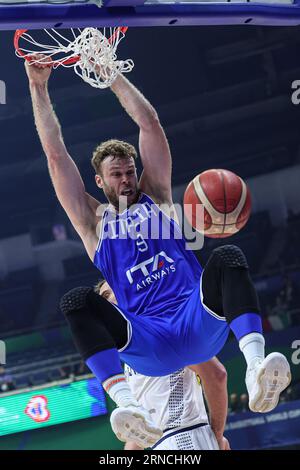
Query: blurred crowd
x,y
282,310
10,382
6,381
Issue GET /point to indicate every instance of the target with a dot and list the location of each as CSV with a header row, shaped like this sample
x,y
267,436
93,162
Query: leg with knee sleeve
x,y
228,290
98,329
95,323
226,284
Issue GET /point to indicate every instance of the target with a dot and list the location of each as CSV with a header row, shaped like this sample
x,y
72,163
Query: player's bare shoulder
x,y
90,233
163,199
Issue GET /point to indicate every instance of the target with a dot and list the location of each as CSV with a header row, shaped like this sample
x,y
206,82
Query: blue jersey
x,y
143,256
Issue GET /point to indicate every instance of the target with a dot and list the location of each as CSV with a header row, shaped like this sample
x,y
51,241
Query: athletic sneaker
x,y
134,423
265,381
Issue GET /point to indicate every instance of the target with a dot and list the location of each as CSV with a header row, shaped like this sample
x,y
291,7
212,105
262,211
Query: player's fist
x,y
38,69
223,443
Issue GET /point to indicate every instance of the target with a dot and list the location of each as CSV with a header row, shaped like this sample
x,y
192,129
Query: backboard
x,y
36,14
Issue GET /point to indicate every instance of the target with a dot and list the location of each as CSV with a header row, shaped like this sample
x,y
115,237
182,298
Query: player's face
x,y
119,181
107,293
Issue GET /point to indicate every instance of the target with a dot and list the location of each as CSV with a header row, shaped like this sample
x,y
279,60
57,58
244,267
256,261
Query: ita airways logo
x,y
151,270
37,409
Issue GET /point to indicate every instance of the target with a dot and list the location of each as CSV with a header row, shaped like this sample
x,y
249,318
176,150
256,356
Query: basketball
x,y
226,200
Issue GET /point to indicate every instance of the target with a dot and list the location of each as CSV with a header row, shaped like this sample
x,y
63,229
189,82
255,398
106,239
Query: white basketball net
x,y
96,50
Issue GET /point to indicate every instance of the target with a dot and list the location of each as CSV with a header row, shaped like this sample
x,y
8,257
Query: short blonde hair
x,y
112,148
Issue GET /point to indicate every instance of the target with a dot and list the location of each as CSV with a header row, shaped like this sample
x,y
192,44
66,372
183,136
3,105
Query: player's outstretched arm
x,y
80,207
213,377
154,147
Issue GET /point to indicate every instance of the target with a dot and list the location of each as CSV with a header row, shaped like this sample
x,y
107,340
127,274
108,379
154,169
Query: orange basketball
x,y
226,200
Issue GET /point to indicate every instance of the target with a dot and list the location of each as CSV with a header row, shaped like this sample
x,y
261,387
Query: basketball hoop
x,y
91,52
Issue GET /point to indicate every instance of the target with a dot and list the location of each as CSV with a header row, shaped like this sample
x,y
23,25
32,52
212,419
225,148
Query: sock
x,y
253,348
119,391
105,364
245,324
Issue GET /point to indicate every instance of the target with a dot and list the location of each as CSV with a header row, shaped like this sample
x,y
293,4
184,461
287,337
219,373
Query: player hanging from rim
x,y
176,402
163,321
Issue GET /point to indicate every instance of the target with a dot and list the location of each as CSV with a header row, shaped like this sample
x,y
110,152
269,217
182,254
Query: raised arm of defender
x,y
154,147
80,207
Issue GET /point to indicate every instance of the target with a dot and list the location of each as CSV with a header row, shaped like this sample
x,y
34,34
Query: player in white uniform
x,y
177,407
176,403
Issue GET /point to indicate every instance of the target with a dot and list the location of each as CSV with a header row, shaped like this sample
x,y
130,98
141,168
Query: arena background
x,y
224,96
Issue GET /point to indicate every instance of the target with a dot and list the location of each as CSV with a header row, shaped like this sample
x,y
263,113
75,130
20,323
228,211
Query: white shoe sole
x,y
272,379
129,426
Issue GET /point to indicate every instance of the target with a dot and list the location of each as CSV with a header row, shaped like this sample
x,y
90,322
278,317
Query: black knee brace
x,y
95,323
232,256
226,284
74,300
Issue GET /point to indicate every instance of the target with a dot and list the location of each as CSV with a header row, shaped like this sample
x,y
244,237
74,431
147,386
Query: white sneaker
x,y
266,380
134,423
